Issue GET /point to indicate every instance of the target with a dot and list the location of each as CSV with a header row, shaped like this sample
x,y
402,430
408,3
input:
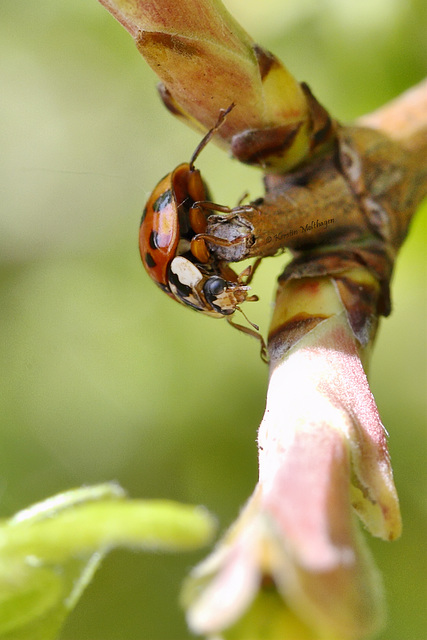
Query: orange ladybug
x,y
173,244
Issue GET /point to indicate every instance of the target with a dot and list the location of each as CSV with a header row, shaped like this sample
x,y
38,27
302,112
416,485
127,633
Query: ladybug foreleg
x,y
200,250
249,272
207,205
241,209
221,242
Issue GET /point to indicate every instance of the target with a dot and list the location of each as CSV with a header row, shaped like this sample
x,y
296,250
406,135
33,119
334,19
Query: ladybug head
x,y
224,296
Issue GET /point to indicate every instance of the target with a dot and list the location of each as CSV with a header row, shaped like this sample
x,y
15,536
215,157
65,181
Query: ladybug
x,y
174,250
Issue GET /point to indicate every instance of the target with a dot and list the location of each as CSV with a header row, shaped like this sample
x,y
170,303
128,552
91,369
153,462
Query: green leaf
x,y
50,551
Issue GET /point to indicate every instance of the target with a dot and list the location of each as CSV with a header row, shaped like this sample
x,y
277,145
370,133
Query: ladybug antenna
x,y
255,326
251,332
223,113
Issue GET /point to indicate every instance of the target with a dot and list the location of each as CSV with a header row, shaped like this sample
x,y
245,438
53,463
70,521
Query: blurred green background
x,y
104,377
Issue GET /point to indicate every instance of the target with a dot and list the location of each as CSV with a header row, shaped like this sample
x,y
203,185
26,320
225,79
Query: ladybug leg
x,y
200,250
227,272
251,332
198,221
204,206
242,198
221,242
198,213
243,278
207,205
249,272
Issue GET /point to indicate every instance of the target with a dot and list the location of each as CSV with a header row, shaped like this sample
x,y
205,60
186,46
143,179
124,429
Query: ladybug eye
x,y
220,296
215,291
213,287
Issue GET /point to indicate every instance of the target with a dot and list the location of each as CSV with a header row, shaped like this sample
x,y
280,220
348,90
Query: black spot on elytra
x,y
144,213
162,201
153,240
149,260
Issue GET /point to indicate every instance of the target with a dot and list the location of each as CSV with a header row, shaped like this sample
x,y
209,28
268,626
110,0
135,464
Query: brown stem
x,y
299,210
366,191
